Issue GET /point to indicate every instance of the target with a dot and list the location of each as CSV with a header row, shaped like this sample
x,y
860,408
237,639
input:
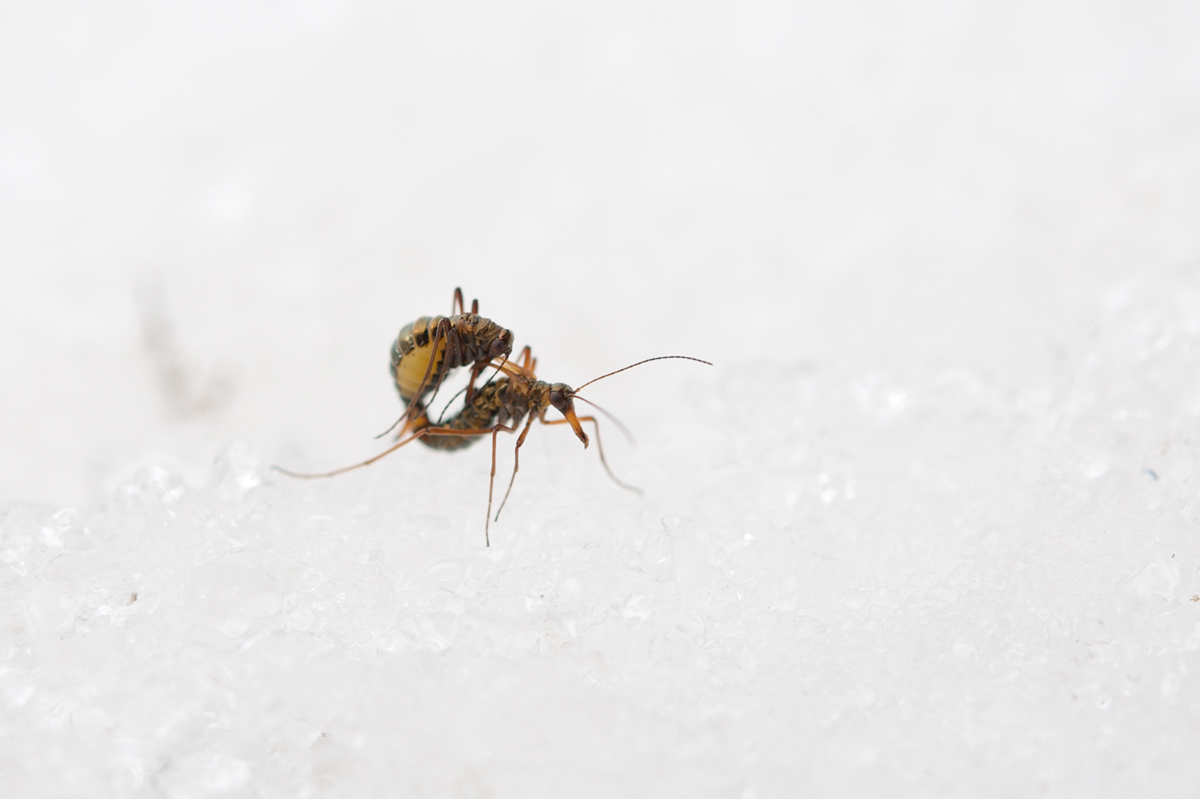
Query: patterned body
x,y
502,401
411,352
488,407
466,339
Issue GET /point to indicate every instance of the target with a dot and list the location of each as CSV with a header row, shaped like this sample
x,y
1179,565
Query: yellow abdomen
x,y
411,354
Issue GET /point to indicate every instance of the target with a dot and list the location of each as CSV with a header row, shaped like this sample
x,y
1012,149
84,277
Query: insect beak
x,y
573,420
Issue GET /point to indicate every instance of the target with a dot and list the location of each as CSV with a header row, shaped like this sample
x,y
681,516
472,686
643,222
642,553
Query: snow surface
x,y
928,527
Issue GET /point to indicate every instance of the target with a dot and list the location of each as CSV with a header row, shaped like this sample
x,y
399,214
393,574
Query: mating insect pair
x,y
435,346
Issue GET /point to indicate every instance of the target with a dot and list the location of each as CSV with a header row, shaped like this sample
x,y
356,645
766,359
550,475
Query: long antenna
x,y
442,415
463,390
393,427
499,367
639,363
624,430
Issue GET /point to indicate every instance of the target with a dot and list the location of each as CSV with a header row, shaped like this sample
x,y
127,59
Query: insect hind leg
x,y
516,467
312,476
444,332
600,448
458,303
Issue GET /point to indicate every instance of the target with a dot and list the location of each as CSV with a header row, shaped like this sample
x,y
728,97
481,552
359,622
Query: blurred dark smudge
x,y
184,394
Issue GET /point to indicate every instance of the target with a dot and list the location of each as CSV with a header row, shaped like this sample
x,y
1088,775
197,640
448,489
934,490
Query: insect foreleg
x,y
487,540
442,333
516,466
476,369
600,447
447,431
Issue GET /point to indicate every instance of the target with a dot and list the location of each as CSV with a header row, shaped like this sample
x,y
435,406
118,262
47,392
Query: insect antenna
x,y
463,390
624,430
403,416
639,363
445,408
499,367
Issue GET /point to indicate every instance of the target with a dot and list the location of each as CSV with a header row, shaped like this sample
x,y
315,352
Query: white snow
x,y
928,527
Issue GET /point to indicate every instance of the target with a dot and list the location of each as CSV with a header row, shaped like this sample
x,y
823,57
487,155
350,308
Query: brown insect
x,y
430,348
517,396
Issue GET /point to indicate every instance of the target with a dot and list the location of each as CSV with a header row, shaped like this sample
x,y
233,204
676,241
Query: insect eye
x,y
556,399
498,348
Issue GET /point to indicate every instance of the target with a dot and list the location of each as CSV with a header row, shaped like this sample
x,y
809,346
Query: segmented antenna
x,y
624,430
639,363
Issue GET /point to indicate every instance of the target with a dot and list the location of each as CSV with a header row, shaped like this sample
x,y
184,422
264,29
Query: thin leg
x,y
443,332
457,302
499,367
448,431
446,407
469,390
419,434
487,520
525,362
516,466
523,365
600,447
439,332
422,433
475,370
530,362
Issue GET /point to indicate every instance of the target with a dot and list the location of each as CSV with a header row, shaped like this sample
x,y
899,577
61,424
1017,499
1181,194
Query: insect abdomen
x,y
481,413
411,353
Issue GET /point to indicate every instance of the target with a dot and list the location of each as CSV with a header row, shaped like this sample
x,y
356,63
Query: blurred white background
x,y
754,183
927,527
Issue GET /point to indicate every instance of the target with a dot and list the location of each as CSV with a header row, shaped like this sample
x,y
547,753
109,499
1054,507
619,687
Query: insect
x,y
517,396
430,348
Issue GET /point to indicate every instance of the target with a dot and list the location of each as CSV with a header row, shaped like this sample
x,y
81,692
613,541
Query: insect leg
x,y
457,302
523,364
444,431
527,361
516,466
470,389
600,447
487,520
450,431
443,332
475,370
419,434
